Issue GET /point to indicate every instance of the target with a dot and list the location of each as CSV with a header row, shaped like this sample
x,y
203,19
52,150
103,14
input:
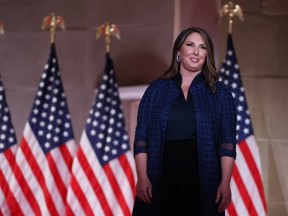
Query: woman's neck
x,y
188,77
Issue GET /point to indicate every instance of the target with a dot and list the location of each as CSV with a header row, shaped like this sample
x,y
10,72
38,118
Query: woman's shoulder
x,y
224,91
154,89
158,83
222,88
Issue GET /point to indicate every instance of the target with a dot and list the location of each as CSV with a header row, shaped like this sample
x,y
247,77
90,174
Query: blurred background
x,y
148,29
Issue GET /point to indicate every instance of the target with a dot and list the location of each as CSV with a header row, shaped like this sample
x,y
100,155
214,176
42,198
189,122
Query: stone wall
x,y
148,29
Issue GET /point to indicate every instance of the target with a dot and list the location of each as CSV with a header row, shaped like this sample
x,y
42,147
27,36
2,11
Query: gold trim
x,y
107,30
53,22
230,11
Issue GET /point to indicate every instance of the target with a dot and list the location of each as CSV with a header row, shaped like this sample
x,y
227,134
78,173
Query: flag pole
x,y
106,30
230,11
53,22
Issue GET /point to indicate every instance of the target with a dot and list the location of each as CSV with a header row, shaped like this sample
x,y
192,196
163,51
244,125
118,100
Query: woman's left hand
x,y
224,196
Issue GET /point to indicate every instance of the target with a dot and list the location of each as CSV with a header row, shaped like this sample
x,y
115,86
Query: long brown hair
x,y
208,69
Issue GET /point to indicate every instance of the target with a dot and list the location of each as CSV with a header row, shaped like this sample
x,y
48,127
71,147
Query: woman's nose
x,y
195,51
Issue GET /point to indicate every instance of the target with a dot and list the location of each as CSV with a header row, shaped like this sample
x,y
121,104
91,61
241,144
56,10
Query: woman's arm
x,y
227,148
224,191
143,187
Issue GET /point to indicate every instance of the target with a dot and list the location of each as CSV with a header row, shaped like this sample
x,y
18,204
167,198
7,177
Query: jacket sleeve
x,y
227,141
143,116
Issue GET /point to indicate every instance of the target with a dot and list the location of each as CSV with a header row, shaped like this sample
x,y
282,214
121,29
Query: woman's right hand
x,y
144,189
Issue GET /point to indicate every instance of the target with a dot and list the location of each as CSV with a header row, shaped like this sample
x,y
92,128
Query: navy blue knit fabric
x,y
216,134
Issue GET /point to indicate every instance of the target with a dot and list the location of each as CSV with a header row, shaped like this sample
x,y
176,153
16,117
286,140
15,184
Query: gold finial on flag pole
x,y
1,28
107,30
53,22
230,11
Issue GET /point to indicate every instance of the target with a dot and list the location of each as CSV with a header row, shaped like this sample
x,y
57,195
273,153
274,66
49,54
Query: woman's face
x,y
193,53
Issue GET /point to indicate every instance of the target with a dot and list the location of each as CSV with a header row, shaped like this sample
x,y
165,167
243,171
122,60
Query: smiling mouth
x,y
195,60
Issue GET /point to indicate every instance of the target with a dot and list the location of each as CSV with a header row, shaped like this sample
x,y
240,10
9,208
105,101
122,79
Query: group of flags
x,y
48,174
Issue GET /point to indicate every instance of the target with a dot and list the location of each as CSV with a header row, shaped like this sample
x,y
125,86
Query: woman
x,y
185,136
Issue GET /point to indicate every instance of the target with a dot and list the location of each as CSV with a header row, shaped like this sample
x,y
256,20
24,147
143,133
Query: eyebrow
x,y
194,43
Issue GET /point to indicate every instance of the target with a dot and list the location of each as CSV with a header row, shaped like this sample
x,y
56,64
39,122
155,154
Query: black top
x,y
181,122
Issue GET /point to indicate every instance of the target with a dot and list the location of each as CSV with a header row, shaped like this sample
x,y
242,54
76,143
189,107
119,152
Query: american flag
x,y
104,176
8,148
248,196
44,158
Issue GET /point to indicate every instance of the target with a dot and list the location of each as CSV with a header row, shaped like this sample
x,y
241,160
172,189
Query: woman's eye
x,y
204,47
190,44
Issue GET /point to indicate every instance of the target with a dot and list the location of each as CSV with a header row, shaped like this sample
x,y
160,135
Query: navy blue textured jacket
x,y
216,134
